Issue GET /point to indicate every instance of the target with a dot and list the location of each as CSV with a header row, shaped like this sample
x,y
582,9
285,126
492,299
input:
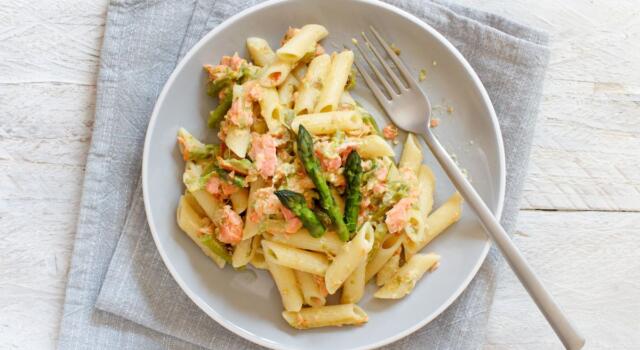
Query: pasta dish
x,y
304,184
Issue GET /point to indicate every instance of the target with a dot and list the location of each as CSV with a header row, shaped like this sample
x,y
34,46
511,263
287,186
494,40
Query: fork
x,y
407,106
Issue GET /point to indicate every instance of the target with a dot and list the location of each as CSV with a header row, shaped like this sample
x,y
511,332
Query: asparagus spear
x,y
298,205
216,247
216,115
312,166
353,173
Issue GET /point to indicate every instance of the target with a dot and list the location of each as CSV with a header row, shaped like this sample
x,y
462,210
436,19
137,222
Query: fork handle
x,y
557,319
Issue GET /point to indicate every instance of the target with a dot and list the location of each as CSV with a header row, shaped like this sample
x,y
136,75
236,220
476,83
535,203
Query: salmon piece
x,y
266,203
214,186
230,226
293,224
398,216
381,173
263,153
234,62
390,132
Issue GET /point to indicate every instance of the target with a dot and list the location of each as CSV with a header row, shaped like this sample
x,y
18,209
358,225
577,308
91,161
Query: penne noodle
x,y
211,205
328,123
287,285
334,85
285,91
436,223
312,287
389,269
238,140
427,185
329,242
415,225
193,202
403,282
373,146
240,200
324,316
274,74
311,84
261,53
190,223
301,43
349,258
387,249
270,109
353,288
411,157
243,253
251,228
298,259
258,260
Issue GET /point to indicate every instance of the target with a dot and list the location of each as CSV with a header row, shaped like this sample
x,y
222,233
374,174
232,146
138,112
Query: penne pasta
x,y
251,227
238,140
329,243
257,259
311,84
295,258
436,223
193,202
373,146
411,157
403,282
312,287
389,269
427,185
285,91
260,51
240,200
328,123
270,109
349,258
211,205
274,74
334,85
243,253
189,222
415,225
353,288
387,249
324,316
302,42
287,285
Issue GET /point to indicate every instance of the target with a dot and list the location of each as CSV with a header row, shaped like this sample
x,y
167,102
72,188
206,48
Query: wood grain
x,y
591,264
585,158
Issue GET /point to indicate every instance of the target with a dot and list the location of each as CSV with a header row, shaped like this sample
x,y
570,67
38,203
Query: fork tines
x,y
399,85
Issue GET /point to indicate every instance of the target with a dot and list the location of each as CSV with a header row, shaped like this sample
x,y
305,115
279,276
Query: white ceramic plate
x,y
247,302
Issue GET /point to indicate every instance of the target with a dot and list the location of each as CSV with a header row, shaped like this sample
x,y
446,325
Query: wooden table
x,y
579,224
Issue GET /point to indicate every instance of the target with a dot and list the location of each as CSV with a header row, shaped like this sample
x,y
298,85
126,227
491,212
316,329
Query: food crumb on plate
x,y
395,49
390,132
434,63
434,122
423,75
450,109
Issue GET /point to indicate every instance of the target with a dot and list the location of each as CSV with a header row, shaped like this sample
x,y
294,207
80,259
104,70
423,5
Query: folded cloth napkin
x,y
139,306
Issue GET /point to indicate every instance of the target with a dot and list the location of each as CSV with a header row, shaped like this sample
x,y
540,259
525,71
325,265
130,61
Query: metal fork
x,y
410,109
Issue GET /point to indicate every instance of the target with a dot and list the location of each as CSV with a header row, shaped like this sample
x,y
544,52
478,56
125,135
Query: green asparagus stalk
x,y
222,174
216,115
312,167
298,205
216,247
353,174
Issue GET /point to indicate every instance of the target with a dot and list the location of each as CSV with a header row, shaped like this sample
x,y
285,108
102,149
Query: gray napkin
x,y
139,306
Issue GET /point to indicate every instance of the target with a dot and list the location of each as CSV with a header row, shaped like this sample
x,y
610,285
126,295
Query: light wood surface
x,y
580,218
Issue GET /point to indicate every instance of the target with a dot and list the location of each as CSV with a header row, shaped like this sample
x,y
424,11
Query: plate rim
x,y
257,339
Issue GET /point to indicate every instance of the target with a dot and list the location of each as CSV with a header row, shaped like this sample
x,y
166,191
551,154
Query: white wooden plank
x,y
591,263
585,150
